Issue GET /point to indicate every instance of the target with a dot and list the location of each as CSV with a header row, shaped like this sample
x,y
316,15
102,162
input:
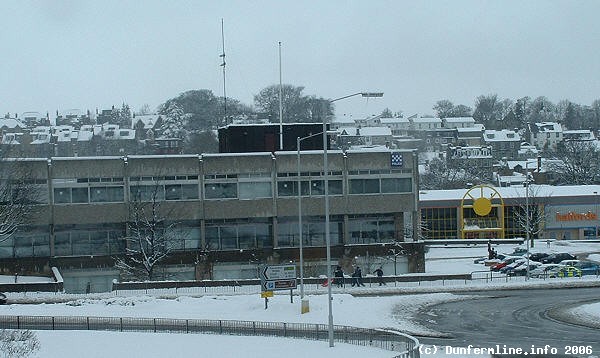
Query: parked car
x,y
518,251
3,299
566,271
557,258
522,269
544,270
507,261
588,268
569,262
513,266
538,256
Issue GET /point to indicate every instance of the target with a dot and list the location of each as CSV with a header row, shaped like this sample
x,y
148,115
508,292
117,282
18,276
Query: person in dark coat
x,y
357,277
379,273
339,276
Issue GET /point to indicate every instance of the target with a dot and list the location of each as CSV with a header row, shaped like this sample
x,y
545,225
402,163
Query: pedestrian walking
x,y
339,276
357,277
379,273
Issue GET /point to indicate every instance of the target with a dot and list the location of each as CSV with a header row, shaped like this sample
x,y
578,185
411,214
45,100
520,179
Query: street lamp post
x,y
597,216
527,213
326,193
304,303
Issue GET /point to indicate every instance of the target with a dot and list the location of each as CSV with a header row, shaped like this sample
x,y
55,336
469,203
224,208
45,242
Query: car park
x,y
557,258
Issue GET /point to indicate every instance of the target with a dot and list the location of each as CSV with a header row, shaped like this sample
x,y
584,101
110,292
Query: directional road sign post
x,y
277,278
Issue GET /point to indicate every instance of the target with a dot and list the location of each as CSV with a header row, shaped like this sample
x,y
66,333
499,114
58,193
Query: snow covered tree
x,y
173,124
125,116
18,344
152,232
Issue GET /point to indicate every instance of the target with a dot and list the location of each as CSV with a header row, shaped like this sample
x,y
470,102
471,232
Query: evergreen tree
x,y
173,123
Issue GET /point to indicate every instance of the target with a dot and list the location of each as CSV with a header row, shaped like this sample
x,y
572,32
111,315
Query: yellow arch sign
x,y
482,213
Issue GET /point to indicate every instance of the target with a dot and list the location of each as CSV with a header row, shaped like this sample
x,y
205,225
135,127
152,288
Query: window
x,y
62,195
79,195
364,186
220,191
254,190
367,230
110,194
396,185
289,188
147,192
245,234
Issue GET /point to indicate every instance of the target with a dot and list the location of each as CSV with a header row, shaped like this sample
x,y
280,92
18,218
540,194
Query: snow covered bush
x,y
18,344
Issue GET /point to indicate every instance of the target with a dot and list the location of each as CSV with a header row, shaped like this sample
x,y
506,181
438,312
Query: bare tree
x,y
18,344
153,232
18,196
536,213
578,164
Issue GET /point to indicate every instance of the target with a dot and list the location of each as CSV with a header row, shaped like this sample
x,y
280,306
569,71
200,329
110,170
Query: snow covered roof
x,y
514,192
460,120
11,123
375,131
477,130
504,135
548,127
394,120
148,120
427,120
343,120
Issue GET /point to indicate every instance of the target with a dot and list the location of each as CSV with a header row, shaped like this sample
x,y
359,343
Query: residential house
x,y
544,135
505,143
458,122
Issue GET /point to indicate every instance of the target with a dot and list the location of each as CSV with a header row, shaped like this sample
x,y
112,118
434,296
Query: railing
x,y
253,285
405,345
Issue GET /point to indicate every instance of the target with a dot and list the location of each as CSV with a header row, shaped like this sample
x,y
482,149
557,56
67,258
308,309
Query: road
x,y
513,318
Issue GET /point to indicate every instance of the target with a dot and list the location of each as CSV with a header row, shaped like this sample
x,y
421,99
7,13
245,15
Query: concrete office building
x,y
233,212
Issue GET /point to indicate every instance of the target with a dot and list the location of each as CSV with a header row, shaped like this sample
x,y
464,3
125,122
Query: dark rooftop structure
x,y
243,138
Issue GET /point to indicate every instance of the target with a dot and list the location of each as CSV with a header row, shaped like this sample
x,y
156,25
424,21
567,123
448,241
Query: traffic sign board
x,y
277,272
276,285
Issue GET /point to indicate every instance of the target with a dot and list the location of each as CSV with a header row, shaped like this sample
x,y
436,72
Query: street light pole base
x,y
304,306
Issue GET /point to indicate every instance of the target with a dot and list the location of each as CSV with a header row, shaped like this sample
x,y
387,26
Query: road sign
x,y
277,277
266,294
277,272
276,285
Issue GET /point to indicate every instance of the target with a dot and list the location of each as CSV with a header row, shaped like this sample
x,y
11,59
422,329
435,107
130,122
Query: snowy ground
x,y
348,309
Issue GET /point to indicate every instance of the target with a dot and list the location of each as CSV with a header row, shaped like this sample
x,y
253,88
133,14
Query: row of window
x,y
226,190
220,235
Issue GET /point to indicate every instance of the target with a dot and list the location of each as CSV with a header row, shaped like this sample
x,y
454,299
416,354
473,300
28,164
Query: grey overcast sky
x,y
65,54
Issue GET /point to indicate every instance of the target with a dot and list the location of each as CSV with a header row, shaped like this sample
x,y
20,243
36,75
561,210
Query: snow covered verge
x,y
585,315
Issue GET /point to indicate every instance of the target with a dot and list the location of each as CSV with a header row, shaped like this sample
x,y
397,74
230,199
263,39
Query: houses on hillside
x,y
76,133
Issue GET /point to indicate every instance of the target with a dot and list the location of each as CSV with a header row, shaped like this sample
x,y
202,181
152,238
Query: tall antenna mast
x,y
280,103
222,55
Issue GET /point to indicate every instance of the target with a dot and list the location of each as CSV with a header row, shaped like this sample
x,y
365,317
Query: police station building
x,y
232,212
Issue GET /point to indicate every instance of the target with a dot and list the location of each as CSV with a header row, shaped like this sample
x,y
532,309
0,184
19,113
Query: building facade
x,y
232,212
559,212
